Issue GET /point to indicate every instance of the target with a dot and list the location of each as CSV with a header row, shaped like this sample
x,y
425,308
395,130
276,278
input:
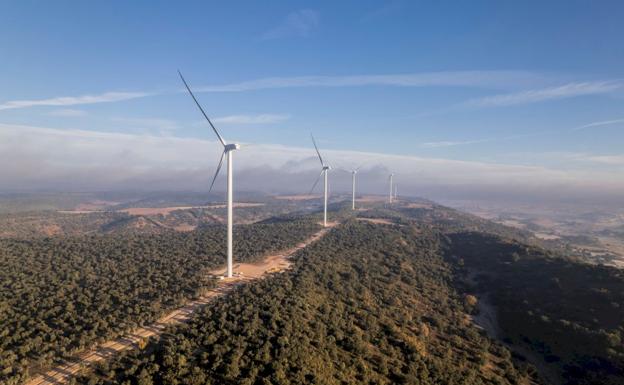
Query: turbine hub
x,y
326,168
232,147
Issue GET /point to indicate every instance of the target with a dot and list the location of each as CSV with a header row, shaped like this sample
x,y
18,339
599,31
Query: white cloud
x,y
599,124
148,123
480,79
68,112
387,9
44,158
300,23
560,92
252,119
451,143
106,97
612,160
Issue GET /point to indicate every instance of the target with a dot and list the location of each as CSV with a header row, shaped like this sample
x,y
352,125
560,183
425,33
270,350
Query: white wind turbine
x,y
227,151
324,170
391,189
353,174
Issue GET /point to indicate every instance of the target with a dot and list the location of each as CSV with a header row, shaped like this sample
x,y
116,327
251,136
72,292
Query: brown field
x,y
372,198
419,205
378,221
94,205
168,210
243,272
79,211
297,197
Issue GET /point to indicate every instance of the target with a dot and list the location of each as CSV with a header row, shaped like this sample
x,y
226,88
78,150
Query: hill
x,y
59,295
414,293
367,304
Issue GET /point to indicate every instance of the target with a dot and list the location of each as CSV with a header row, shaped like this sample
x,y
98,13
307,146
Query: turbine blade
x,y
217,172
201,109
316,182
317,151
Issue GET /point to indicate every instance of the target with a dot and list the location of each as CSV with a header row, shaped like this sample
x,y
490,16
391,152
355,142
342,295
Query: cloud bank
x,y
37,158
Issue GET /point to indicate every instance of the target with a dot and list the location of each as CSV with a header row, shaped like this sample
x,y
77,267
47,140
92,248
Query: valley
x,y
593,233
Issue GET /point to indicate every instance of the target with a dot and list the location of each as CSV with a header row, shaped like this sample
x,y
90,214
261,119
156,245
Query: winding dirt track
x,y
62,373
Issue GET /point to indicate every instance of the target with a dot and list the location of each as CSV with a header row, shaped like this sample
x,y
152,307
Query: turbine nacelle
x,y
325,168
231,147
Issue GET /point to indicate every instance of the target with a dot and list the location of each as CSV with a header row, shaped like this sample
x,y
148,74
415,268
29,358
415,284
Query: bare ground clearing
x,y
297,197
377,221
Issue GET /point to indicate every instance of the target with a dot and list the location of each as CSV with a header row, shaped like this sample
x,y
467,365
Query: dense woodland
x,y
569,314
367,304
60,295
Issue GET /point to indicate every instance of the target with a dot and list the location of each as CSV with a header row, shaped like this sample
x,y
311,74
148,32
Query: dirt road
x,y
62,373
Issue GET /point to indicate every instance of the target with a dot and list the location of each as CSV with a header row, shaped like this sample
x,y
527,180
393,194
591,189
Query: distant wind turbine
x,y
227,151
324,170
353,174
391,189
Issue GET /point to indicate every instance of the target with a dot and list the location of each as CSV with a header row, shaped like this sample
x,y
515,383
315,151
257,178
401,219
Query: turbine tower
x,y
227,152
324,171
391,189
353,174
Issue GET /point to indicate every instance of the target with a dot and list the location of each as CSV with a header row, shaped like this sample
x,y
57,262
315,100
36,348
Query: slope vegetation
x,y
569,315
368,304
60,295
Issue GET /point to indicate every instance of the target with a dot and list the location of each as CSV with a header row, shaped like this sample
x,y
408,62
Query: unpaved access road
x,y
62,373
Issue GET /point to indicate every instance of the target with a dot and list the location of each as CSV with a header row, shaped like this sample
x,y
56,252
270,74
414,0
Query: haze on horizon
x,y
516,101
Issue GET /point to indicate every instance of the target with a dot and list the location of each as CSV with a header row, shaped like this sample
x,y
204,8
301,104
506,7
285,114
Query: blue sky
x,y
495,82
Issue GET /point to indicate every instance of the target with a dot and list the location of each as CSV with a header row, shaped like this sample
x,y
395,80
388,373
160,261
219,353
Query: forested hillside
x,y
567,314
59,295
367,304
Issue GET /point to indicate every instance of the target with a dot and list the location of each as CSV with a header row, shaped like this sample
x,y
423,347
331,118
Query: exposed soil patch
x,y
378,221
297,197
419,206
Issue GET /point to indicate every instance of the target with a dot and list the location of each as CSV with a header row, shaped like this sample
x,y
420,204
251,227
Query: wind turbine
x,y
324,170
227,152
353,174
391,189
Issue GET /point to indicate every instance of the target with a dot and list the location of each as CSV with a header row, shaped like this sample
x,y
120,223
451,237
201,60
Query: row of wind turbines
x,y
229,148
325,167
